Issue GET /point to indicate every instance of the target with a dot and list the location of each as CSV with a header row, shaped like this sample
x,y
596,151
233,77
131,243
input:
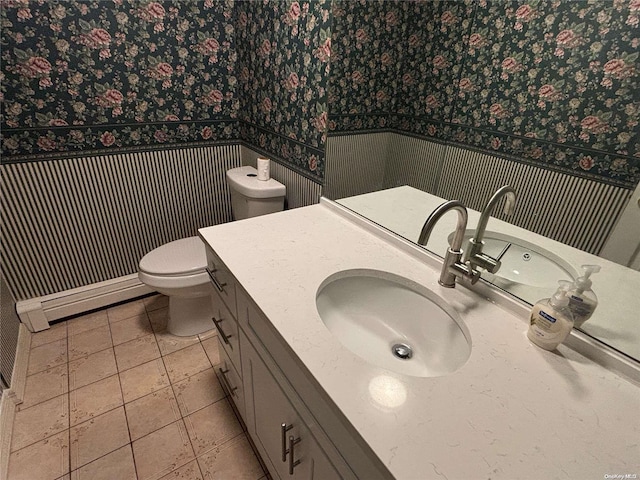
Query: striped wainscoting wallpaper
x,y
9,330
355,164
572,210
301,191
414,162
78,221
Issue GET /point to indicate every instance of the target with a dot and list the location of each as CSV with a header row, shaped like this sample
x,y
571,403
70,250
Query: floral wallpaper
x,y
551,82
367,40
87,74
284,49
432,58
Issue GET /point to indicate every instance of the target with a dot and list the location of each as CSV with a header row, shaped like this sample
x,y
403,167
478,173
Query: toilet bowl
x,y
178,269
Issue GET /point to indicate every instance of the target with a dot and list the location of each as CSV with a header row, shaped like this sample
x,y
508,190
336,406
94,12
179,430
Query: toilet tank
x,y
251,197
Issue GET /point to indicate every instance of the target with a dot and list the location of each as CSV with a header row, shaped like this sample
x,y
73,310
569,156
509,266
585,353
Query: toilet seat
x,y
165,282
182,258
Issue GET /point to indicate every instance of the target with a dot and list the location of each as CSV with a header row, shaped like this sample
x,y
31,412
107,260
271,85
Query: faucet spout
x,y
431,221
509,207
475,255
451,266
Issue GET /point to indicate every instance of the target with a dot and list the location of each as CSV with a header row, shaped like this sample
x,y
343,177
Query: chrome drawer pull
x,y
225,337
292,464
284,428
225,380
219,286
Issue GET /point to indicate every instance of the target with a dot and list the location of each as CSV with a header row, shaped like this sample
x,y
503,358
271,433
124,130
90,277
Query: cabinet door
x,y
268,408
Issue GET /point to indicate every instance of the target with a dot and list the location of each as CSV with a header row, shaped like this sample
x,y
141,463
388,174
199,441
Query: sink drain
x,y
402,351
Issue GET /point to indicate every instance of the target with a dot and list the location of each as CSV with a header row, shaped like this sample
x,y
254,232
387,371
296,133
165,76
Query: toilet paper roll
x,y
264,169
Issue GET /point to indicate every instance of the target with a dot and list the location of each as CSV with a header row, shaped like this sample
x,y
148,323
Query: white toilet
x,y
178,269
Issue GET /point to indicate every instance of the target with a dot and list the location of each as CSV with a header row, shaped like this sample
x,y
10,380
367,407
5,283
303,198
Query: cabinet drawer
x,y
227,333
222,280
231,380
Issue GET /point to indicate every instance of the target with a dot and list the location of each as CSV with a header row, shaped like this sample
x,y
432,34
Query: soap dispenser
x,y
551,319
582,300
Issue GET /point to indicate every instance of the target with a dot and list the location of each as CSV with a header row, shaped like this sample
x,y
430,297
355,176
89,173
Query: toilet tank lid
x,y
244,180
183,256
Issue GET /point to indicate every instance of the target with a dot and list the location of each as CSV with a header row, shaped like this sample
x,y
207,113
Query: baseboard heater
x,y
36,313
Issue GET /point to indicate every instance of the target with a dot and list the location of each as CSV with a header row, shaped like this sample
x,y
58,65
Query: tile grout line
x,y
49,367
103,413
105,309
135,465
101,456
171,384
49,342
67,394
47,399
126,419
225,397
182,418
130,443
218,446
43,438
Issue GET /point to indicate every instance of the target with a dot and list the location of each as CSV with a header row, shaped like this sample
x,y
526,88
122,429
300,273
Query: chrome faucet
x,y
452,267
475,255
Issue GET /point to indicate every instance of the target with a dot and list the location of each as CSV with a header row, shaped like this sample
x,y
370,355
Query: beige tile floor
x,y
112,395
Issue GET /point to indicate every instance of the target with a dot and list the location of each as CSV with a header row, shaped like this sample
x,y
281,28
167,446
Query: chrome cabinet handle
x,y
225,337
216,282
292,463
284,428
225,380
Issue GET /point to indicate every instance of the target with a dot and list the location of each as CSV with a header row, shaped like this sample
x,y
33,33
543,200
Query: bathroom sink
x,y
527,270
394,323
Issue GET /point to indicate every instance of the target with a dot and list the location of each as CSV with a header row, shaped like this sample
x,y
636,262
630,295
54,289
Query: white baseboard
x,y
7,413
36,313
21,363
12,397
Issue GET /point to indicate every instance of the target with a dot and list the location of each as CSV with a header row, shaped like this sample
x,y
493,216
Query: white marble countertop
x,y
512,411
616,320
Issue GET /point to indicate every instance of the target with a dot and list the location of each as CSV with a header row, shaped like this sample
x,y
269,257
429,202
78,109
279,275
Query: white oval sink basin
x,y
527,270
382,318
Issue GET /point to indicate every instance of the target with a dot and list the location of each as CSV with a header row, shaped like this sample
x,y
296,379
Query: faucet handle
x,y
479,259
482,260
472,275
465,270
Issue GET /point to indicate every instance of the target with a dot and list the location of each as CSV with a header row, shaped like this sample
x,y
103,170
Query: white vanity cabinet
x,y
286,444
261,393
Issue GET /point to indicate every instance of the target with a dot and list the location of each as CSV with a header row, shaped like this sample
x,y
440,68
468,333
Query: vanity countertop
x,y
404,209
512,411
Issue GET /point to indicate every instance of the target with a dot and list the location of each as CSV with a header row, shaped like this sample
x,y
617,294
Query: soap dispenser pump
x,y
551,319
582,300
